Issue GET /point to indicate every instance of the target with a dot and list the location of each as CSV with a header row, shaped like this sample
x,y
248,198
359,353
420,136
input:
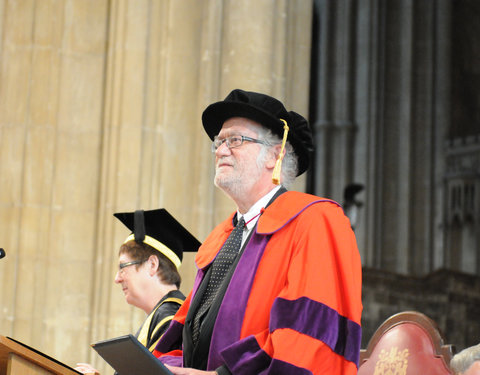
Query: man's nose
x,y
222,150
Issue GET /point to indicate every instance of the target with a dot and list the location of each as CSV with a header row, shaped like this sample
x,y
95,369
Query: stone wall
x,y
100,112
451,299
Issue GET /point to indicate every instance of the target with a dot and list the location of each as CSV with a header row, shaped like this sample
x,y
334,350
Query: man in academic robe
x,y
278,288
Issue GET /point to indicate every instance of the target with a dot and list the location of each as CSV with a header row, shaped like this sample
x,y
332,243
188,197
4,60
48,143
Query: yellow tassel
x,y
278,164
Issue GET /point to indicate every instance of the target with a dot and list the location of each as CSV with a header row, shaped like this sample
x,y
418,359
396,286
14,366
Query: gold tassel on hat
x,y
278,164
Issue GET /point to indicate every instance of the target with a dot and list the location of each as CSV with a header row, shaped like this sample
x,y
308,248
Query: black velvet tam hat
x,y
268,112
160,230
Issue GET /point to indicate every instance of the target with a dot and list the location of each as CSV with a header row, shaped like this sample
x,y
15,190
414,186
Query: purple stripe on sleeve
x,y
246,357
280,367
321,322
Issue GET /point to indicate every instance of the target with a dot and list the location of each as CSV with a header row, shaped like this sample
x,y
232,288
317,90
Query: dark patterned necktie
x,y
220,267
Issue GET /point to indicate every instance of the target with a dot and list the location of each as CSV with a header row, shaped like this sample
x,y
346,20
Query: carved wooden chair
x,y
407,343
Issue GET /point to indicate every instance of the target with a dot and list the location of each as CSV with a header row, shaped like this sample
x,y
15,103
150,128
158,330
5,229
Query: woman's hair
x,y
290,160
167,272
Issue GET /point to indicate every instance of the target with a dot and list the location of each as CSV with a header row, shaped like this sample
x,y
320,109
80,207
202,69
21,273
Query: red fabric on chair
x,y
408,343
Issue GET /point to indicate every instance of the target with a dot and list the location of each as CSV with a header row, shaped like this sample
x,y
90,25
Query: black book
x,y
129,357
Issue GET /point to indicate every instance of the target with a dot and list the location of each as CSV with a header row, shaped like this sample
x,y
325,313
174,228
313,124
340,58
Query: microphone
x,y
2,253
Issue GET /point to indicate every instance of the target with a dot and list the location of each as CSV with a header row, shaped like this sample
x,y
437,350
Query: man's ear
x,y
273,156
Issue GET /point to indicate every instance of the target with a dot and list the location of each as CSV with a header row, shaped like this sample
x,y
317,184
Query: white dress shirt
x,y
251,217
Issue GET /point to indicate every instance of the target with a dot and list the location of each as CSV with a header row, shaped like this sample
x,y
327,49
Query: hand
x,y
188,371
86,368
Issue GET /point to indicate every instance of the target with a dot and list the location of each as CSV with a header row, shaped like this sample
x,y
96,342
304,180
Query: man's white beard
x,y
238,183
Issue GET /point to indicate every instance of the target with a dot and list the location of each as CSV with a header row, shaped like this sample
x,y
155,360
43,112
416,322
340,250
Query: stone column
x,y
155,152
379,118
333,110
51,105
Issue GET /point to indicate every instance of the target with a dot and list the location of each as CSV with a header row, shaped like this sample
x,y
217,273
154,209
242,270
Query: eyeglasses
x,y
233,141
121,266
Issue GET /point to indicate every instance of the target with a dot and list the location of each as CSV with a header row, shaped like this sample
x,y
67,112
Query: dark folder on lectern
x,y
129,357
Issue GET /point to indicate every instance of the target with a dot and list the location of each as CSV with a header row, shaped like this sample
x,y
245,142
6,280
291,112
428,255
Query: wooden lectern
x,y
19,359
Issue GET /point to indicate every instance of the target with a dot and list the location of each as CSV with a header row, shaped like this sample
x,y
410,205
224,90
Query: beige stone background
x,y
100,105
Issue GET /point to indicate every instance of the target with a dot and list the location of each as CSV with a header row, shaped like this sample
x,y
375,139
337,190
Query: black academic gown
x,y
196,356
159,319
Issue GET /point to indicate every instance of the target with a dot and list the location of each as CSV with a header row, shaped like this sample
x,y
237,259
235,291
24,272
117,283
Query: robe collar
x,y
279,213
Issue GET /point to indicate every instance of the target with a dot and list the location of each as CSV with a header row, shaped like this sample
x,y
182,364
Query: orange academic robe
x,y
293,305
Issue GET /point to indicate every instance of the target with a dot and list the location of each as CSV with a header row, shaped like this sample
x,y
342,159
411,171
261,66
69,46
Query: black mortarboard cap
x,y
160,230
268,112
